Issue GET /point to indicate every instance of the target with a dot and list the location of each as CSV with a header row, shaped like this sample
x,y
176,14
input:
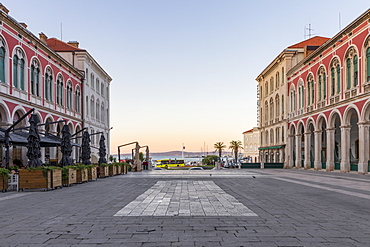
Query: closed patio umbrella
x,y
86,151
102,150
33,144
66,147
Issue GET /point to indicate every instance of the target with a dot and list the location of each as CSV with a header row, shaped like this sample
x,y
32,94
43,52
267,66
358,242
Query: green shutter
x,y
15,71
2,64
338,79
348,73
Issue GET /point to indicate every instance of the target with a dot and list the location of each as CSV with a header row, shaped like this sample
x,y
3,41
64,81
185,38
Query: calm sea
x,y
165,157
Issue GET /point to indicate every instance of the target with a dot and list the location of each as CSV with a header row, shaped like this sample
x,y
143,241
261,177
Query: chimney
x,y
73,43
3,8
43,38
23,24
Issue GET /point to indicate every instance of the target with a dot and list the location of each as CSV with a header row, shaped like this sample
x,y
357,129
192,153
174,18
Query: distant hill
x,y
179,153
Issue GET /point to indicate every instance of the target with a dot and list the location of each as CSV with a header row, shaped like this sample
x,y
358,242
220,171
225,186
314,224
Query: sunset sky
x,y
183,70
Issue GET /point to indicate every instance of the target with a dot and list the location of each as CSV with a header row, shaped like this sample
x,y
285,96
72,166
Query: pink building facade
x,y
33,76
329,103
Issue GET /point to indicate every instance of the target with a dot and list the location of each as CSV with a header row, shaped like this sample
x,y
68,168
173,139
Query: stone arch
x,y
17,113
4,115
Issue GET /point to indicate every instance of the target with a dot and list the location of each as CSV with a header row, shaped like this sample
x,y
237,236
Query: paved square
x,y
185,198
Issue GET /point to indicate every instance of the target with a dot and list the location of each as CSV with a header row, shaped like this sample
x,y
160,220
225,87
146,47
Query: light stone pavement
x,y
185,198
292,207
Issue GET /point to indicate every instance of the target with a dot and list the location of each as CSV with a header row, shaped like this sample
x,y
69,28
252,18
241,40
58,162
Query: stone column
x,y
345,138
318,145
289,156
307,145
298,150
363,135
330,138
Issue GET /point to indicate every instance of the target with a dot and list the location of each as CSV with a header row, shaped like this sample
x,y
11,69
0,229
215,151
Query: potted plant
x,y
4,176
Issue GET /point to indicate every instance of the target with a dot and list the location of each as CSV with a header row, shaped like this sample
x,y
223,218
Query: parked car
x,y
158,168
196,168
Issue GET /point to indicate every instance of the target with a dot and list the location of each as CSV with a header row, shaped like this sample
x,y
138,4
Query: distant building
x,y
251,145
33,76
273,97
95,93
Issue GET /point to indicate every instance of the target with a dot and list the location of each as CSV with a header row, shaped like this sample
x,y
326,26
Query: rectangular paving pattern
x,y
185,198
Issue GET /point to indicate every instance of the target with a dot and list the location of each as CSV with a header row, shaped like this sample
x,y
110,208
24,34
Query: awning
x,y
273,147
19,138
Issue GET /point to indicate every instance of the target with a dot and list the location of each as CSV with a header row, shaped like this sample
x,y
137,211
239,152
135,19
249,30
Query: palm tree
x,y
219,146
235,146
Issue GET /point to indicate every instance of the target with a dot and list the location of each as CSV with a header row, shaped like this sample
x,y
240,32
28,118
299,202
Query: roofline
x,y
331,41
92,58
273,63
40,43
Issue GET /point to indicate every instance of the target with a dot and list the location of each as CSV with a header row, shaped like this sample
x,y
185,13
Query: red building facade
x,y
328,103
33,76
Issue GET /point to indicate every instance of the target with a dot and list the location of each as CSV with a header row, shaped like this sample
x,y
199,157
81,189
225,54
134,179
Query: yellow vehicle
x,y
165,163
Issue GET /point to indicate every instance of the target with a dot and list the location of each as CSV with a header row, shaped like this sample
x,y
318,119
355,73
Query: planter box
x,y
92,173
112,170
104,172
81,175
71,179
119,169
3,184
56,178
125,169
34,179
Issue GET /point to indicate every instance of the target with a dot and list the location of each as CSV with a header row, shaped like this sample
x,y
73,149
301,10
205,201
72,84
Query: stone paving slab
x,y
292,207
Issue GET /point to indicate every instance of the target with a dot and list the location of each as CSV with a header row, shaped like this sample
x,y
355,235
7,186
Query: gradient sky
x,y
183,70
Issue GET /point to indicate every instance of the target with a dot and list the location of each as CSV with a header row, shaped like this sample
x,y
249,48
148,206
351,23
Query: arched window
x,y
292,100
60,89
282,75
48,84
266,89
277,107
266,111
368,64
78,100
355,71
271,84
351,59
282,134
97,116
277,132
97,85
271,109
102,89
300,95
102,113
2,61
92,110
87,106
69,95
282,104
18,69
322,84
277,80
92,80
311,90
35,77
334,77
